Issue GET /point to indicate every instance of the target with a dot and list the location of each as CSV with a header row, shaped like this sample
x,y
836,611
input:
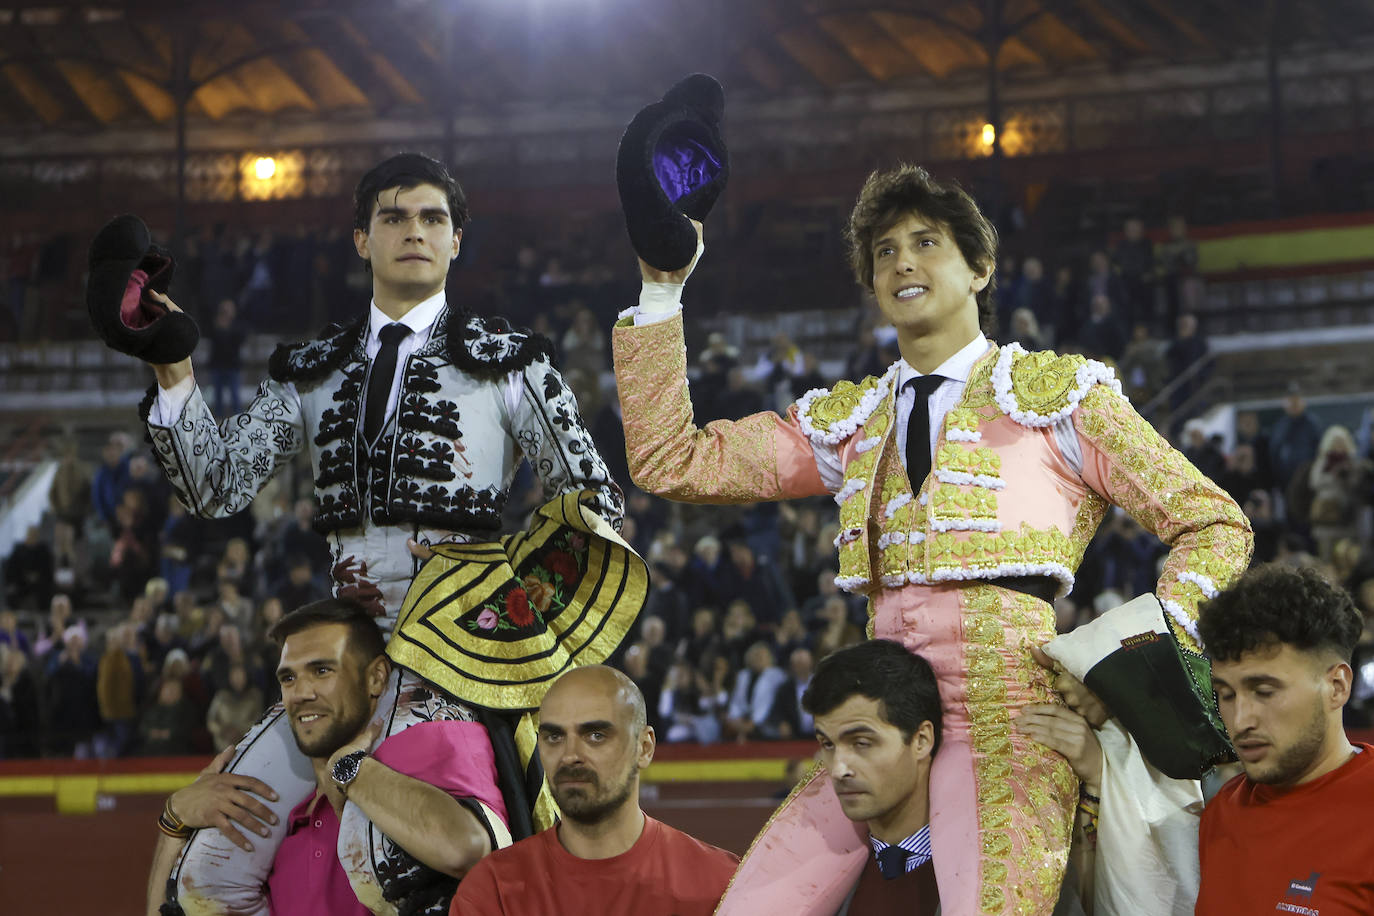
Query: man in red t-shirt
x,y
606,857
1290,835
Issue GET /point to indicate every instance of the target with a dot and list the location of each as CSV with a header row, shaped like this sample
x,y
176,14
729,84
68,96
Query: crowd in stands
x,y
130,627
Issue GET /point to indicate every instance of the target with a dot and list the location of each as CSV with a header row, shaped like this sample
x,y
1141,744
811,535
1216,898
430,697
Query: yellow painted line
x,y
77,794
68,789
27,786
758,770
1286,249
145,783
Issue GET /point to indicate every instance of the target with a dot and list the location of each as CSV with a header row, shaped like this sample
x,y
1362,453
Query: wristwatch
x,y
346,769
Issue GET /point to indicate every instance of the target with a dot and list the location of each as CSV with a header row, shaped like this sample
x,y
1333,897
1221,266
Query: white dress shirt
x,y
420,319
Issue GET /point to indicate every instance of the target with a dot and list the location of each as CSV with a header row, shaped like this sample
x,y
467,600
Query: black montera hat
x,y
672,165
124,266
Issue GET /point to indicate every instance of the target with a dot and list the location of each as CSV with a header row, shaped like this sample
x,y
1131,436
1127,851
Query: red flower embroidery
x,y
518,607
561,563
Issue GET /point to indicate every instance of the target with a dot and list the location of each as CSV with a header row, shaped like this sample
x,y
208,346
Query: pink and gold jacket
x,y
1025,467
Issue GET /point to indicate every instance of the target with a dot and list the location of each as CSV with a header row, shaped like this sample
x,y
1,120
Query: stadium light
x,y
264,167
989,135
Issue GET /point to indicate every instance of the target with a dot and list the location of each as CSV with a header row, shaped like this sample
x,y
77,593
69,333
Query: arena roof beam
x,y
1085,29
41,81
309,67
93,76
1173,14
1058,44
882,57
815,50
752,39
416,61
384,71
127,53
1120,29
352,63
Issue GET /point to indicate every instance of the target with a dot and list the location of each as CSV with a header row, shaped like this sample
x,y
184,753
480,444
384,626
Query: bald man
x,y
606,857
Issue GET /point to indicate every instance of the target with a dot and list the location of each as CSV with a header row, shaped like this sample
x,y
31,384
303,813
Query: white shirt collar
x,y
958,367
419,319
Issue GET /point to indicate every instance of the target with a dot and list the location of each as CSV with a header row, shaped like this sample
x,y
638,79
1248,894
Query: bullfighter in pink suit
x,y
959,558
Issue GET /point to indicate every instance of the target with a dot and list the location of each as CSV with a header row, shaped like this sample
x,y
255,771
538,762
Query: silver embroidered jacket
x,y
444,463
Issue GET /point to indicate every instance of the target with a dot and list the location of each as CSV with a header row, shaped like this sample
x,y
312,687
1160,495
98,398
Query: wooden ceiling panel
x,y
100,96
271,88
386,72
941,49
309,67
222,96
156,101
71,64
1016,53
882,57
395,50
1054,40
815,50
1182,22
30,88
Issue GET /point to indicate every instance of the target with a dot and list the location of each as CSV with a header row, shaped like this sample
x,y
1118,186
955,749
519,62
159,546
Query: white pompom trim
x,y
1090,373
866,444
851,583
1188,624
963,435
966,524
847,536
901,499
1209,588
965,479
849,489
843,429
892,537
897,580
1056,571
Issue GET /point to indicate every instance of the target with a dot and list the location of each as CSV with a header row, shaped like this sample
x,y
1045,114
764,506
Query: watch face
x,y
346,767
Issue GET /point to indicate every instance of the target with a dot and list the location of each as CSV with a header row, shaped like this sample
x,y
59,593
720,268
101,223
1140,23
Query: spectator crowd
x,y
130,627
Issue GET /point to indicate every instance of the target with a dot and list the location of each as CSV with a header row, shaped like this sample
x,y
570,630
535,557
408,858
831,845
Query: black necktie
x,y
379,382
892,862
918,429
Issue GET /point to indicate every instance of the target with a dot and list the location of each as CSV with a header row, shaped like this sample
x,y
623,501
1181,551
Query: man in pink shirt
x,y
430,790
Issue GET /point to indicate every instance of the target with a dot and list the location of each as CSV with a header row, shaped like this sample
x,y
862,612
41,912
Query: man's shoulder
x,y
489,346
517,855
833,414
688,849
310,360
1042,387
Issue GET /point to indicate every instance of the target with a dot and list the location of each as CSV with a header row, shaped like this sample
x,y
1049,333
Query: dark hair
x,y
407,170
880,669
364,636
888,196
1275,605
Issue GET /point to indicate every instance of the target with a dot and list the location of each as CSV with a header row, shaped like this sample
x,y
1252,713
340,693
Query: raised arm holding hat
x,y
970,479
415,418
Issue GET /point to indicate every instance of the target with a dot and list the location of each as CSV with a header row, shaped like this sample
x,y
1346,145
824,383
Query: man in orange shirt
x,y
1291,834
606,857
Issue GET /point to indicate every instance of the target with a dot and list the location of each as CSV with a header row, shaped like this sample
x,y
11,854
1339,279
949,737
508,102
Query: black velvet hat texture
x,y
124,267
672,165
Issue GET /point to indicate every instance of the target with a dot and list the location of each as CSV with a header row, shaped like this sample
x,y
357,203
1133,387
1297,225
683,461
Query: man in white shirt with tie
x,y
415,418
970,478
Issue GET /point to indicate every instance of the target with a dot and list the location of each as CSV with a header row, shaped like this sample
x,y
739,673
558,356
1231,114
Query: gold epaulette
x,y
1044,387
833,414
